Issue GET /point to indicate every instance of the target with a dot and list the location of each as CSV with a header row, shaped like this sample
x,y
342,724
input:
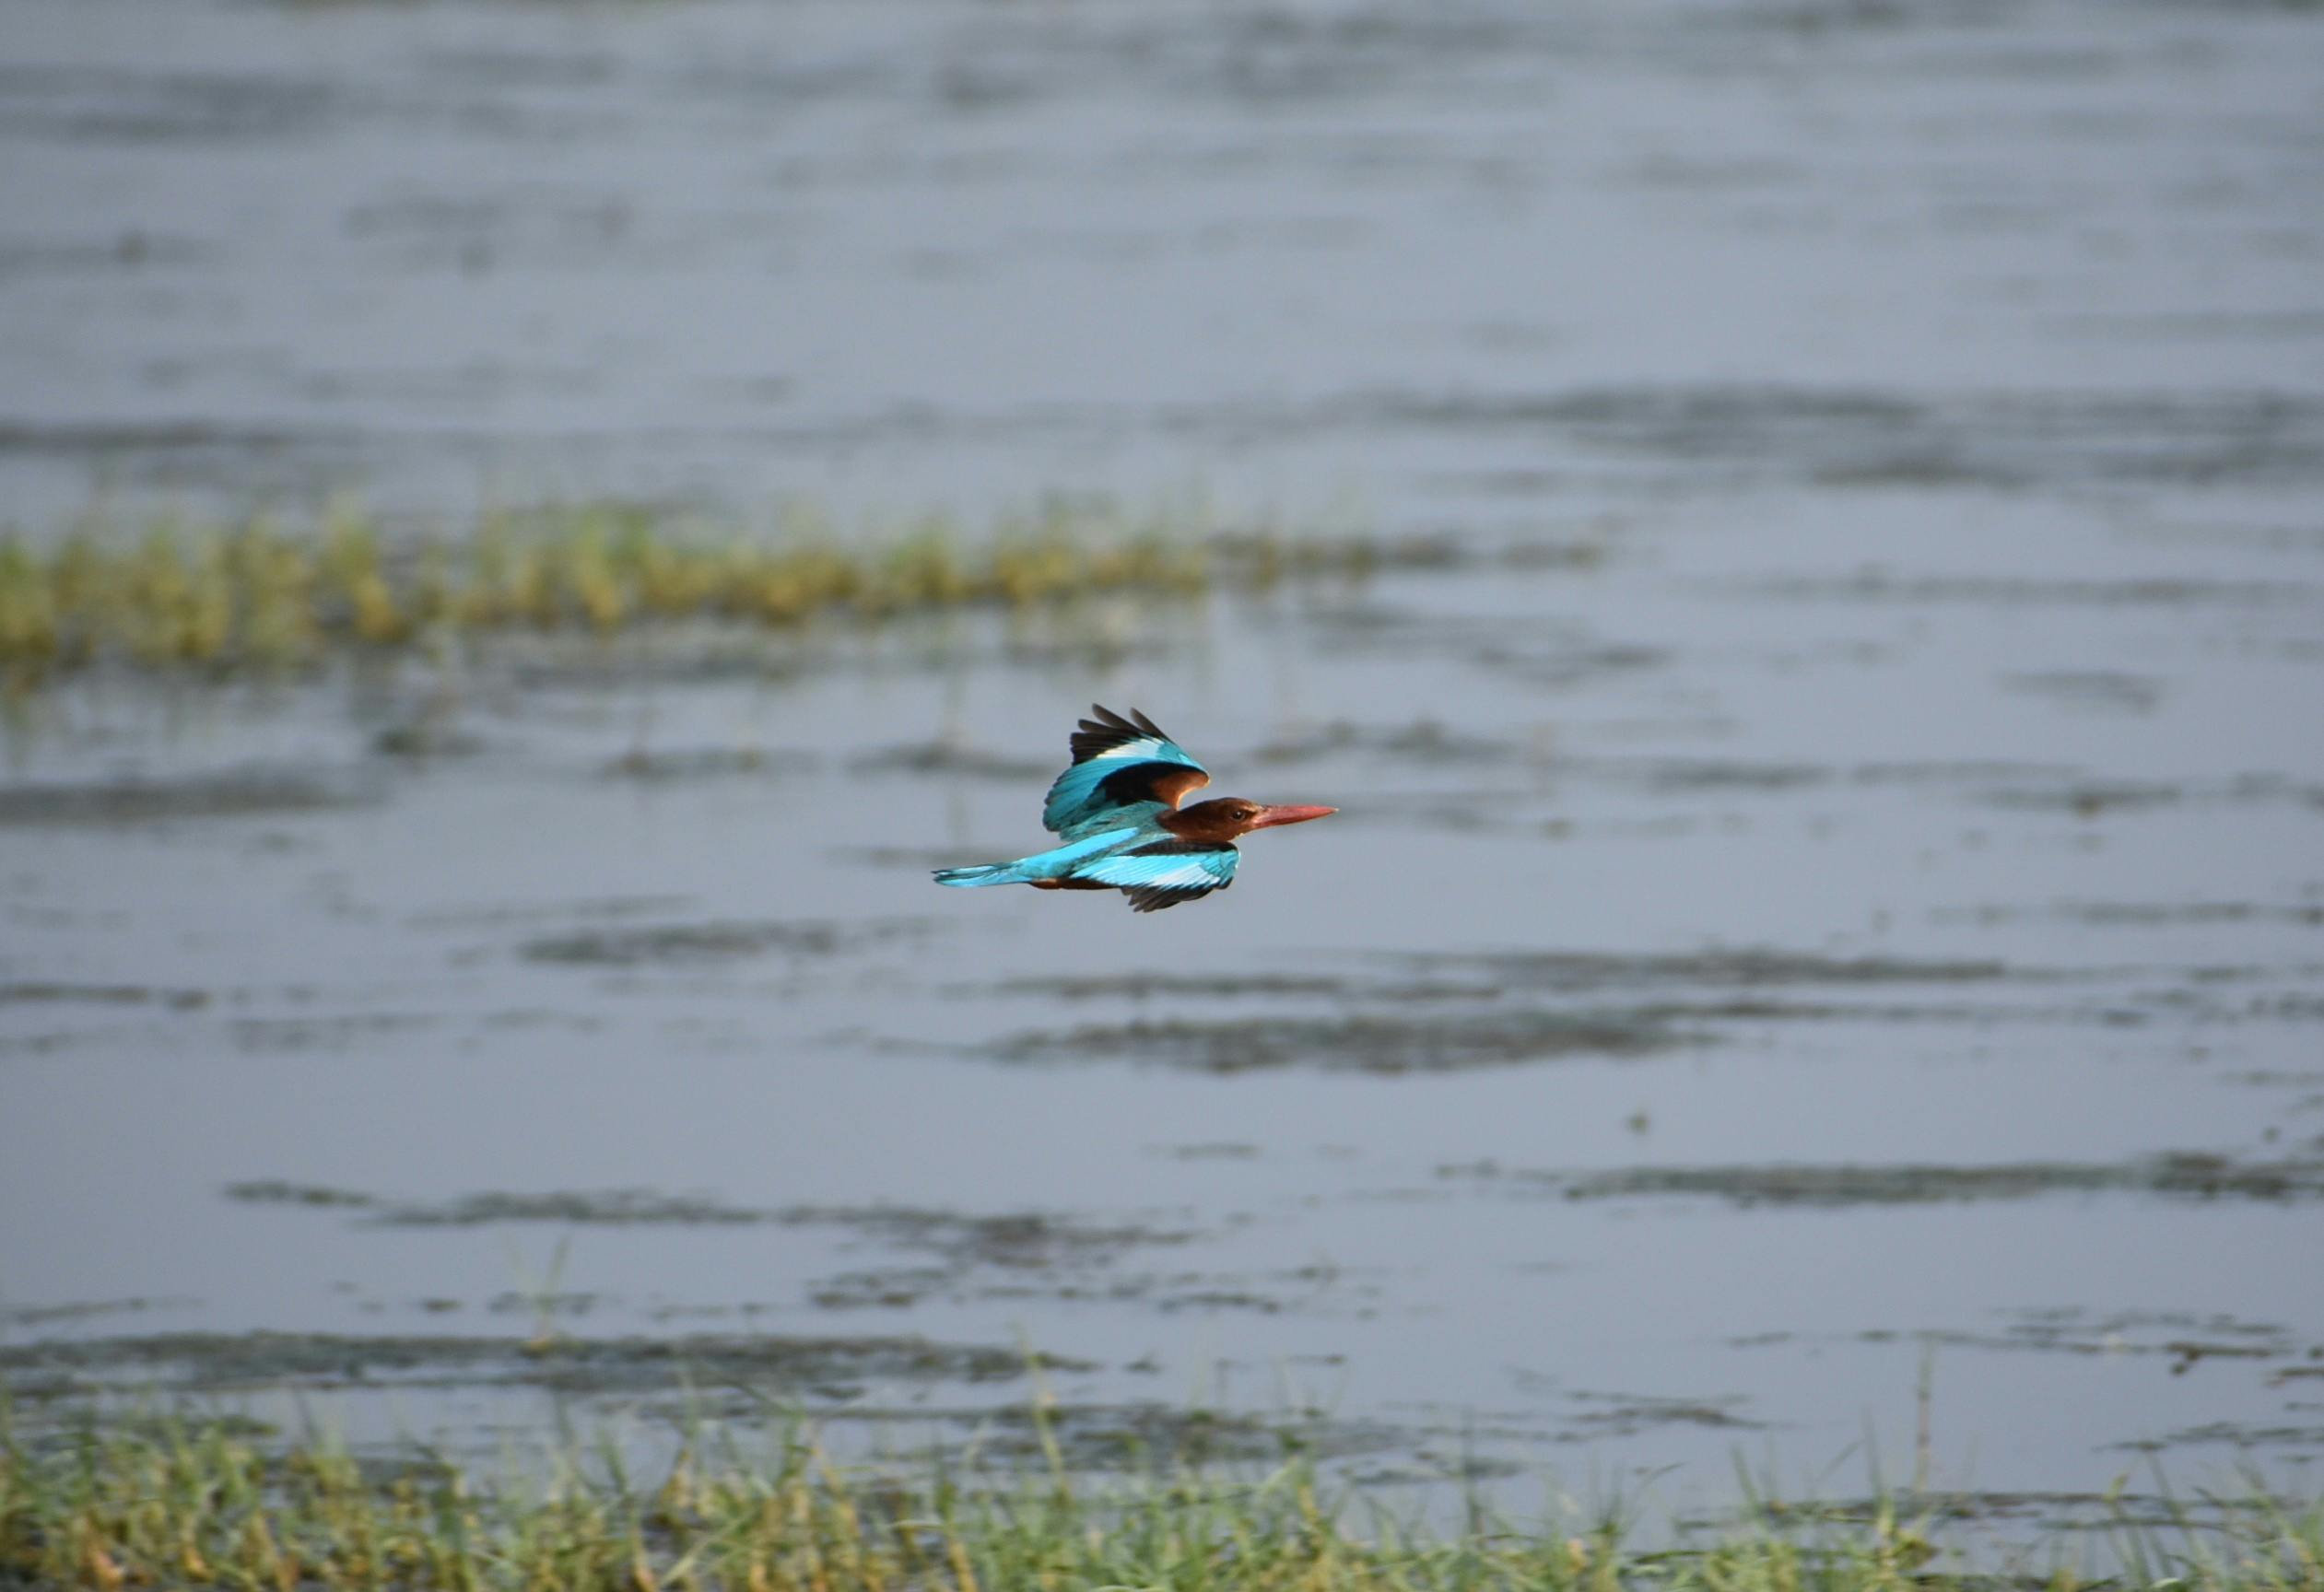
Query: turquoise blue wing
x,y
1163,872
1118,765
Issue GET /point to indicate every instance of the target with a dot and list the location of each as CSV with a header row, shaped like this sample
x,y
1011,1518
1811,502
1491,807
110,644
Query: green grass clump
x,y
260,596
194,1502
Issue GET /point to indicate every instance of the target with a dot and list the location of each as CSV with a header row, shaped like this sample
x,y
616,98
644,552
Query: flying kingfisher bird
x,y
1117,811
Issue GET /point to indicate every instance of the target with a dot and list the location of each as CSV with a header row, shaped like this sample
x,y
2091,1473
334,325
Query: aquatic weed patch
x,y
2184,1176
257,792
1735,967
213,1362
202,1501
1366,1042
689,944
263,596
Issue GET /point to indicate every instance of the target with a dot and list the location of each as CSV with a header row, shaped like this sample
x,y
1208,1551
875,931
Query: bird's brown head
x,y
1224,818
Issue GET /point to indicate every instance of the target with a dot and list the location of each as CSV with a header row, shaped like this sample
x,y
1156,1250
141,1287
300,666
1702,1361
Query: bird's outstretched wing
x,y
1163,872
1119,763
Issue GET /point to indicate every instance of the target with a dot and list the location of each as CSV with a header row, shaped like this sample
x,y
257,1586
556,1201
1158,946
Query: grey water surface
x,y
1828,898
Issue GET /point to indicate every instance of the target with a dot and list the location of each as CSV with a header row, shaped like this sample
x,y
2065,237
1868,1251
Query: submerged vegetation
x,y
259,595
133,1501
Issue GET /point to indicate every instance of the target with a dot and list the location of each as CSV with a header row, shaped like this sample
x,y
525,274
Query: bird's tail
x,y
1057,862
983,873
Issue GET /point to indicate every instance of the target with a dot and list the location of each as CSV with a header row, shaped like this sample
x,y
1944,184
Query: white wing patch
x,y
1152,749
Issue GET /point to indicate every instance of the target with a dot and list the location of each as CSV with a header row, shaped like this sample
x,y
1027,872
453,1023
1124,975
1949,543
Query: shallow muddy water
x,y
1829,887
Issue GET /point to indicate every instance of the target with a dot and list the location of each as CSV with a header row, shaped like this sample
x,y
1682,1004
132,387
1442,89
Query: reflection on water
x,y
1827,866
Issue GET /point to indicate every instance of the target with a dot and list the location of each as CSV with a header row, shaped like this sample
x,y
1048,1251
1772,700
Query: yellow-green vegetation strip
x,y
191,1502
259,595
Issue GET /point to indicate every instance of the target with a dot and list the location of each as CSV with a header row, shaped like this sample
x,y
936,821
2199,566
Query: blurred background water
x,y
1827,891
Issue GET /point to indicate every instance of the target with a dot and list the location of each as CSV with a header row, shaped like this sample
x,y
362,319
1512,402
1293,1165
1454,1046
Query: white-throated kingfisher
x,y
1117,811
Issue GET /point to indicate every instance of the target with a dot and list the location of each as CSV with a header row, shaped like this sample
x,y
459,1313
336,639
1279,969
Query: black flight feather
x,y
1156,899
1109,730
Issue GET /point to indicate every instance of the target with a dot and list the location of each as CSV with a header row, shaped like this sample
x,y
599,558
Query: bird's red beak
x,y
1270,816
